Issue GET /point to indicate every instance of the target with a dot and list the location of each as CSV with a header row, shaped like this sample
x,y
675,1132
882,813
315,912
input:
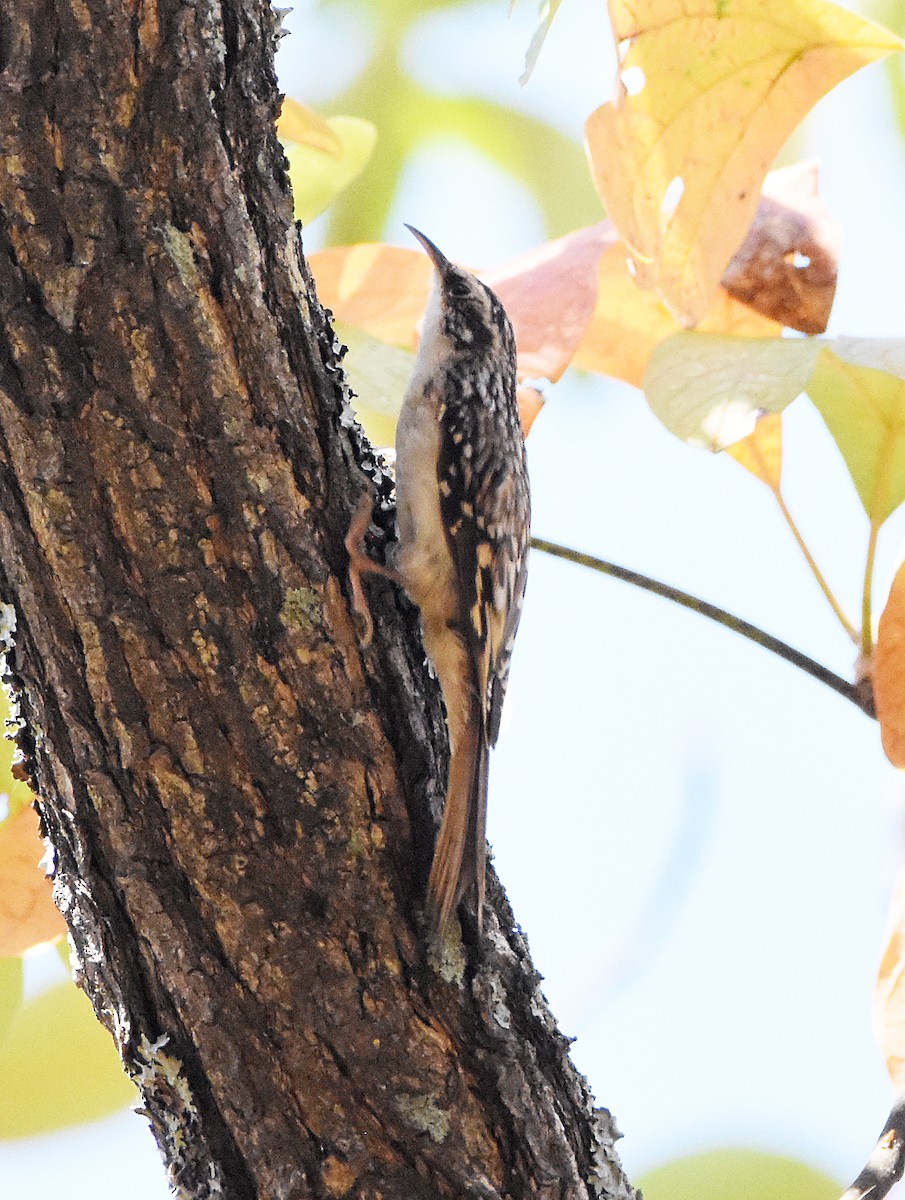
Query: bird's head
x,y
464,310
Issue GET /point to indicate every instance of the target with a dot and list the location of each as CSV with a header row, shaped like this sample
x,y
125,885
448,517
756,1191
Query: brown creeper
x,y
464,511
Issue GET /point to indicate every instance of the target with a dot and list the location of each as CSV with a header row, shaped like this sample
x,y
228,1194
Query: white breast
x,y
423,558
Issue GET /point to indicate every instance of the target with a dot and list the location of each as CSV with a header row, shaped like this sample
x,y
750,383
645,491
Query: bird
x,y
463,518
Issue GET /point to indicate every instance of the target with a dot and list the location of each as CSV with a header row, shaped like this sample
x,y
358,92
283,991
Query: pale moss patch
x,y
423,1113
302,609
182,252
447,955
359,844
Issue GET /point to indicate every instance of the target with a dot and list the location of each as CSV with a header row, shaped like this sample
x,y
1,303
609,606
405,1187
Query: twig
x,y
815,570
885,1166
771,477
860,697
867,632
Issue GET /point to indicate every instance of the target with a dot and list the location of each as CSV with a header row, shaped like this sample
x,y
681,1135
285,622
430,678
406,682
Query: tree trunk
x,y
241,803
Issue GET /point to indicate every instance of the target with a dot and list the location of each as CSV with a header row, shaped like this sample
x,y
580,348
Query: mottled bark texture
x,y
242,806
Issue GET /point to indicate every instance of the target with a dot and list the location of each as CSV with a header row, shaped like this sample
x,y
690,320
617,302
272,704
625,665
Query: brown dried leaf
x,y
629,322
787,266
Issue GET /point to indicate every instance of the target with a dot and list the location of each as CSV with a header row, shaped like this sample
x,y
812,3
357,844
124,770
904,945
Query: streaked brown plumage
x,y
464,516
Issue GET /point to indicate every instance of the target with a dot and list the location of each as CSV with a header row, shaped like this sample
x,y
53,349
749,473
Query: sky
x,y
699,841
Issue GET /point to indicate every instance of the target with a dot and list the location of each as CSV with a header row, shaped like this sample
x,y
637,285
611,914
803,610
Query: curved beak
x,y
440,261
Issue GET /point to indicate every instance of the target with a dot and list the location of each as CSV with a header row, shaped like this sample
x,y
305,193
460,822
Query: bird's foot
x,y
360,564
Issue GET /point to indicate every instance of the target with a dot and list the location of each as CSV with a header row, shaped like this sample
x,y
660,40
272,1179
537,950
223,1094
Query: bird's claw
x,y
360,564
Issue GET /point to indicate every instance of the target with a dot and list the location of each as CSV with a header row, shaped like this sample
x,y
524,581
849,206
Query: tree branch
x,y
858,695
885,1167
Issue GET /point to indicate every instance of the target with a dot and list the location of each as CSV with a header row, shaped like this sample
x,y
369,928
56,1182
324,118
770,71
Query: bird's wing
x,y
484,502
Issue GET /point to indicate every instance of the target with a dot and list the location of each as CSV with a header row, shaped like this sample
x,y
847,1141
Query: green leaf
x,y
864,410
534,153
709,389
379,375
12,974
318,176
737,1175
64,953
409,117
58,1066
890,13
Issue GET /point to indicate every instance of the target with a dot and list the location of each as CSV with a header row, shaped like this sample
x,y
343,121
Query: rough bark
x,y
242,805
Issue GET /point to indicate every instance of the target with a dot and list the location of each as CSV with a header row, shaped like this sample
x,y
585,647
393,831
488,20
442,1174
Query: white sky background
x,y
699,841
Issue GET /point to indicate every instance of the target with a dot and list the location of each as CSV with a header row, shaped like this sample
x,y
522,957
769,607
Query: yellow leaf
x,y
889,998
709,90
296,123
318,176
549,293
378,375
785,270
889,680
28,915
761,451
736,1175
711,389
864,410
59,1066
12,992
380,289
629,323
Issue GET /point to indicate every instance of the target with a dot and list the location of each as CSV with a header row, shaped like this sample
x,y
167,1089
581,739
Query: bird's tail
x,y
461,853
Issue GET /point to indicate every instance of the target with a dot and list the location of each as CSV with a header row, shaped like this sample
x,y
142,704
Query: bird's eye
x,y
459,288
